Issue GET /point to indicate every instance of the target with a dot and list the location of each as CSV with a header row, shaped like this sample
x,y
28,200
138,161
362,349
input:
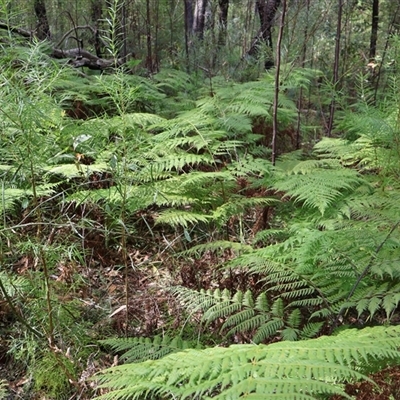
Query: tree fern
x,y
285,370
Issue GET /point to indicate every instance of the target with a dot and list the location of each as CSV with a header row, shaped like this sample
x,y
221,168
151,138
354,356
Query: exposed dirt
x,y
386,387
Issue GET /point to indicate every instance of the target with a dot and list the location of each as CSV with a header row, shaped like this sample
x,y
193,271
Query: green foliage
x,y
285,370
318,184
190,163
142,349
52,373
3,389
244,314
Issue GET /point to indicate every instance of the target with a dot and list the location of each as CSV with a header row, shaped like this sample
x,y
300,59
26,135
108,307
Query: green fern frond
x,y
182,218
238,205
143,120
194,300
218,247
76,170
14,285
287,369
141,349
243,321
317,188
173,81
221,310
9,196
311,329
176,162
250,166
205,178
240,312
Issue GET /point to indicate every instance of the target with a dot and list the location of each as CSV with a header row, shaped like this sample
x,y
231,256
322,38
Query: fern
x,y
180,218
316,184
285,370
141,349
242,313
217,246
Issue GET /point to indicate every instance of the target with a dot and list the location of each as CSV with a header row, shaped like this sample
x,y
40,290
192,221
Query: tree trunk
x,y
199,18
223,21
96,12
335,67
42,27
266,10
277,84
149,60
374,30
188,29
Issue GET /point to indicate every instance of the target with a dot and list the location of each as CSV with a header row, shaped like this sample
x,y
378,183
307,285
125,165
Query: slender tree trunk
x,y
124,49
199,18
96,11
42,27
266,10
223,21
303,55
188,15
335,67
277,83
393,28
374,30
156,39
149,59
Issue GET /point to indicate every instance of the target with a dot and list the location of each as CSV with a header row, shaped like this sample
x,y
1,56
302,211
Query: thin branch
x,y
76,28
367,268
17,314
336,67
277,83
19,31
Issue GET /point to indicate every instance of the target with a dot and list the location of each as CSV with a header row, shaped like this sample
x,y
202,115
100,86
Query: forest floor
x,y
141,291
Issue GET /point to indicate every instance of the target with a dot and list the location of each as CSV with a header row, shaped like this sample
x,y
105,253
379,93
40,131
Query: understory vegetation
x,y
151,249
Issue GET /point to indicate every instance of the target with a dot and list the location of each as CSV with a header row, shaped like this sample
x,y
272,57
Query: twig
x,y
366,270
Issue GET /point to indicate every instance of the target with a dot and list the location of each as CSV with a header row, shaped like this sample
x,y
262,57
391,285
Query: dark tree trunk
x,y
277,84
42,27
188,28
199,18
149,60
96,11
374,30
266,10
223,21
335,67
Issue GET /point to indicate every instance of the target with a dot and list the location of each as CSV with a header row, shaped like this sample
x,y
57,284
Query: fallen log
x,y
83,58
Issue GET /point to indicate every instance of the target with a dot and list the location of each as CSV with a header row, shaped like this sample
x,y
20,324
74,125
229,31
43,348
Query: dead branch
x,y
83,58
19,31
80,27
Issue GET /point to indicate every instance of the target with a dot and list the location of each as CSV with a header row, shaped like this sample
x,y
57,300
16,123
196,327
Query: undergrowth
x,y
122,195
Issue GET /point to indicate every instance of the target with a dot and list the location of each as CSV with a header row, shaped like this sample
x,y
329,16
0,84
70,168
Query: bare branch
x,y
83,58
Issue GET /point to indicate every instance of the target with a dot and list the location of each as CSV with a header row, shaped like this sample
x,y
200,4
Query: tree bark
x,y
223,21
42,27
266,10
374,30
149,58
188,28
277,84
335,68
83,58
199,19
96,11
